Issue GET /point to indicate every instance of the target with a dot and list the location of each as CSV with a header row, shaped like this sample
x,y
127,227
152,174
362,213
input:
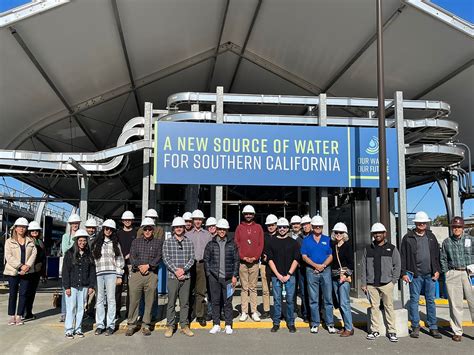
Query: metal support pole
x,y
454,192
323,199
402,224
40,209
312,190
84,197
384,210
393,237
374,211
148,115
217,194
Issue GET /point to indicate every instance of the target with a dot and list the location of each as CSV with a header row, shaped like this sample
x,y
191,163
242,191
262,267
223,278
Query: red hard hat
x,y
457,222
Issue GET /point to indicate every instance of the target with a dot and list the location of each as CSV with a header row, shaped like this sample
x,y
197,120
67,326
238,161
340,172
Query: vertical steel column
x,y
148,114
84,197
393,238
312,190
402,224
456,208
217,191
384,210
374,211
323,198
40,209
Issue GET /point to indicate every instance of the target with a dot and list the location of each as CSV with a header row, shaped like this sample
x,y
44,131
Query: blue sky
x,y
460,8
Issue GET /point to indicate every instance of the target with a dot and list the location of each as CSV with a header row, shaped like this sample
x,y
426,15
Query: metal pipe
x,y
384,205
469,162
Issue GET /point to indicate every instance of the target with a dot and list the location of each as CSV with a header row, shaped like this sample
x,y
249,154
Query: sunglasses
x,y
317,227
282,227
337,232
108,229
148,229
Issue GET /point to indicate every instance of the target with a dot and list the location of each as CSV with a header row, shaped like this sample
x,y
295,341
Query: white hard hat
x,y
248,209
211,221
34,226
271,219
147,221
378,227
109,223
283,222
223,224
91,222
23,222
317,221
178,221
421,217
295,219
197,214
340,227
187,216
130,215
305,219
74,218
80,233
151,213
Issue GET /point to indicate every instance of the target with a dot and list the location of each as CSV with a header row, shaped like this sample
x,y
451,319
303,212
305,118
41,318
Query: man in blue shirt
x,y
317,253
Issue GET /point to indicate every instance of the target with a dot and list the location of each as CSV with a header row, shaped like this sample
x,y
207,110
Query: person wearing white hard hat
x,y
342,268
250,241
283,255
317,254
211,226
91,228
178,256
265,271
145,257
380,272
67,242
420,254
39,269
79,279
199,237
126,236
109,263
188,219
158,232
295,223
306,226
221,261
20,256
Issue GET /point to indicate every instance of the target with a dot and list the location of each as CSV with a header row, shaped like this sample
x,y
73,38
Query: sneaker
x,y
292,329
80,334
243,317
99,331
255,317
18,321
146,331
392,337
331,329
215,329
275,328
372,336
69,336
435,333
415,333
314,329
228,330
186,331
12,320
109,331
169,331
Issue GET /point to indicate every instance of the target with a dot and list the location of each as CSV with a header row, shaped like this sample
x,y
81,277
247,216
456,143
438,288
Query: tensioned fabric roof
x,y
95,52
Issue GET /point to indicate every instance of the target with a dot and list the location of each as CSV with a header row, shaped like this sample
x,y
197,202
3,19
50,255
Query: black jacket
x,y
232,259
81,274
408,253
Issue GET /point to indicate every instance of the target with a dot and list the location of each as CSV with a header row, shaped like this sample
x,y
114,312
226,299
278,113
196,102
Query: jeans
x,y
277,300
342,295
17,285
75,310
315,282
105,288
416,286
63,304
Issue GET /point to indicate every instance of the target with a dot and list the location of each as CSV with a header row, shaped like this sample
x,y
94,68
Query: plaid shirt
x,y
108,262
178,255
146,251
457,253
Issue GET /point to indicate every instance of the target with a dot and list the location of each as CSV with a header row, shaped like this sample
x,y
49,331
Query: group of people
x,y
204,263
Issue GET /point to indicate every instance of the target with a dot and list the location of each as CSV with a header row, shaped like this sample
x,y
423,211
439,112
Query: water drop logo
x,y
373,147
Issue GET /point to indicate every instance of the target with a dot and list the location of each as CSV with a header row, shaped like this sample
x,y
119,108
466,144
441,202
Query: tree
x,y
441,221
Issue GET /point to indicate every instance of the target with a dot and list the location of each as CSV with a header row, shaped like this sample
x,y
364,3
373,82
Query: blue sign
x,y
271,155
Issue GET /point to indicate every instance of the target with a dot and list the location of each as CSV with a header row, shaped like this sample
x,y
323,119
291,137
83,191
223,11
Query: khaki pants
x,y
458,285
386,294
265,287
137,284
248,273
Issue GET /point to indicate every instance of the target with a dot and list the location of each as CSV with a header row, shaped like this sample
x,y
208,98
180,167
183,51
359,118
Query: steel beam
x,y
210,76
125,54
244,47
323,198
217,191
